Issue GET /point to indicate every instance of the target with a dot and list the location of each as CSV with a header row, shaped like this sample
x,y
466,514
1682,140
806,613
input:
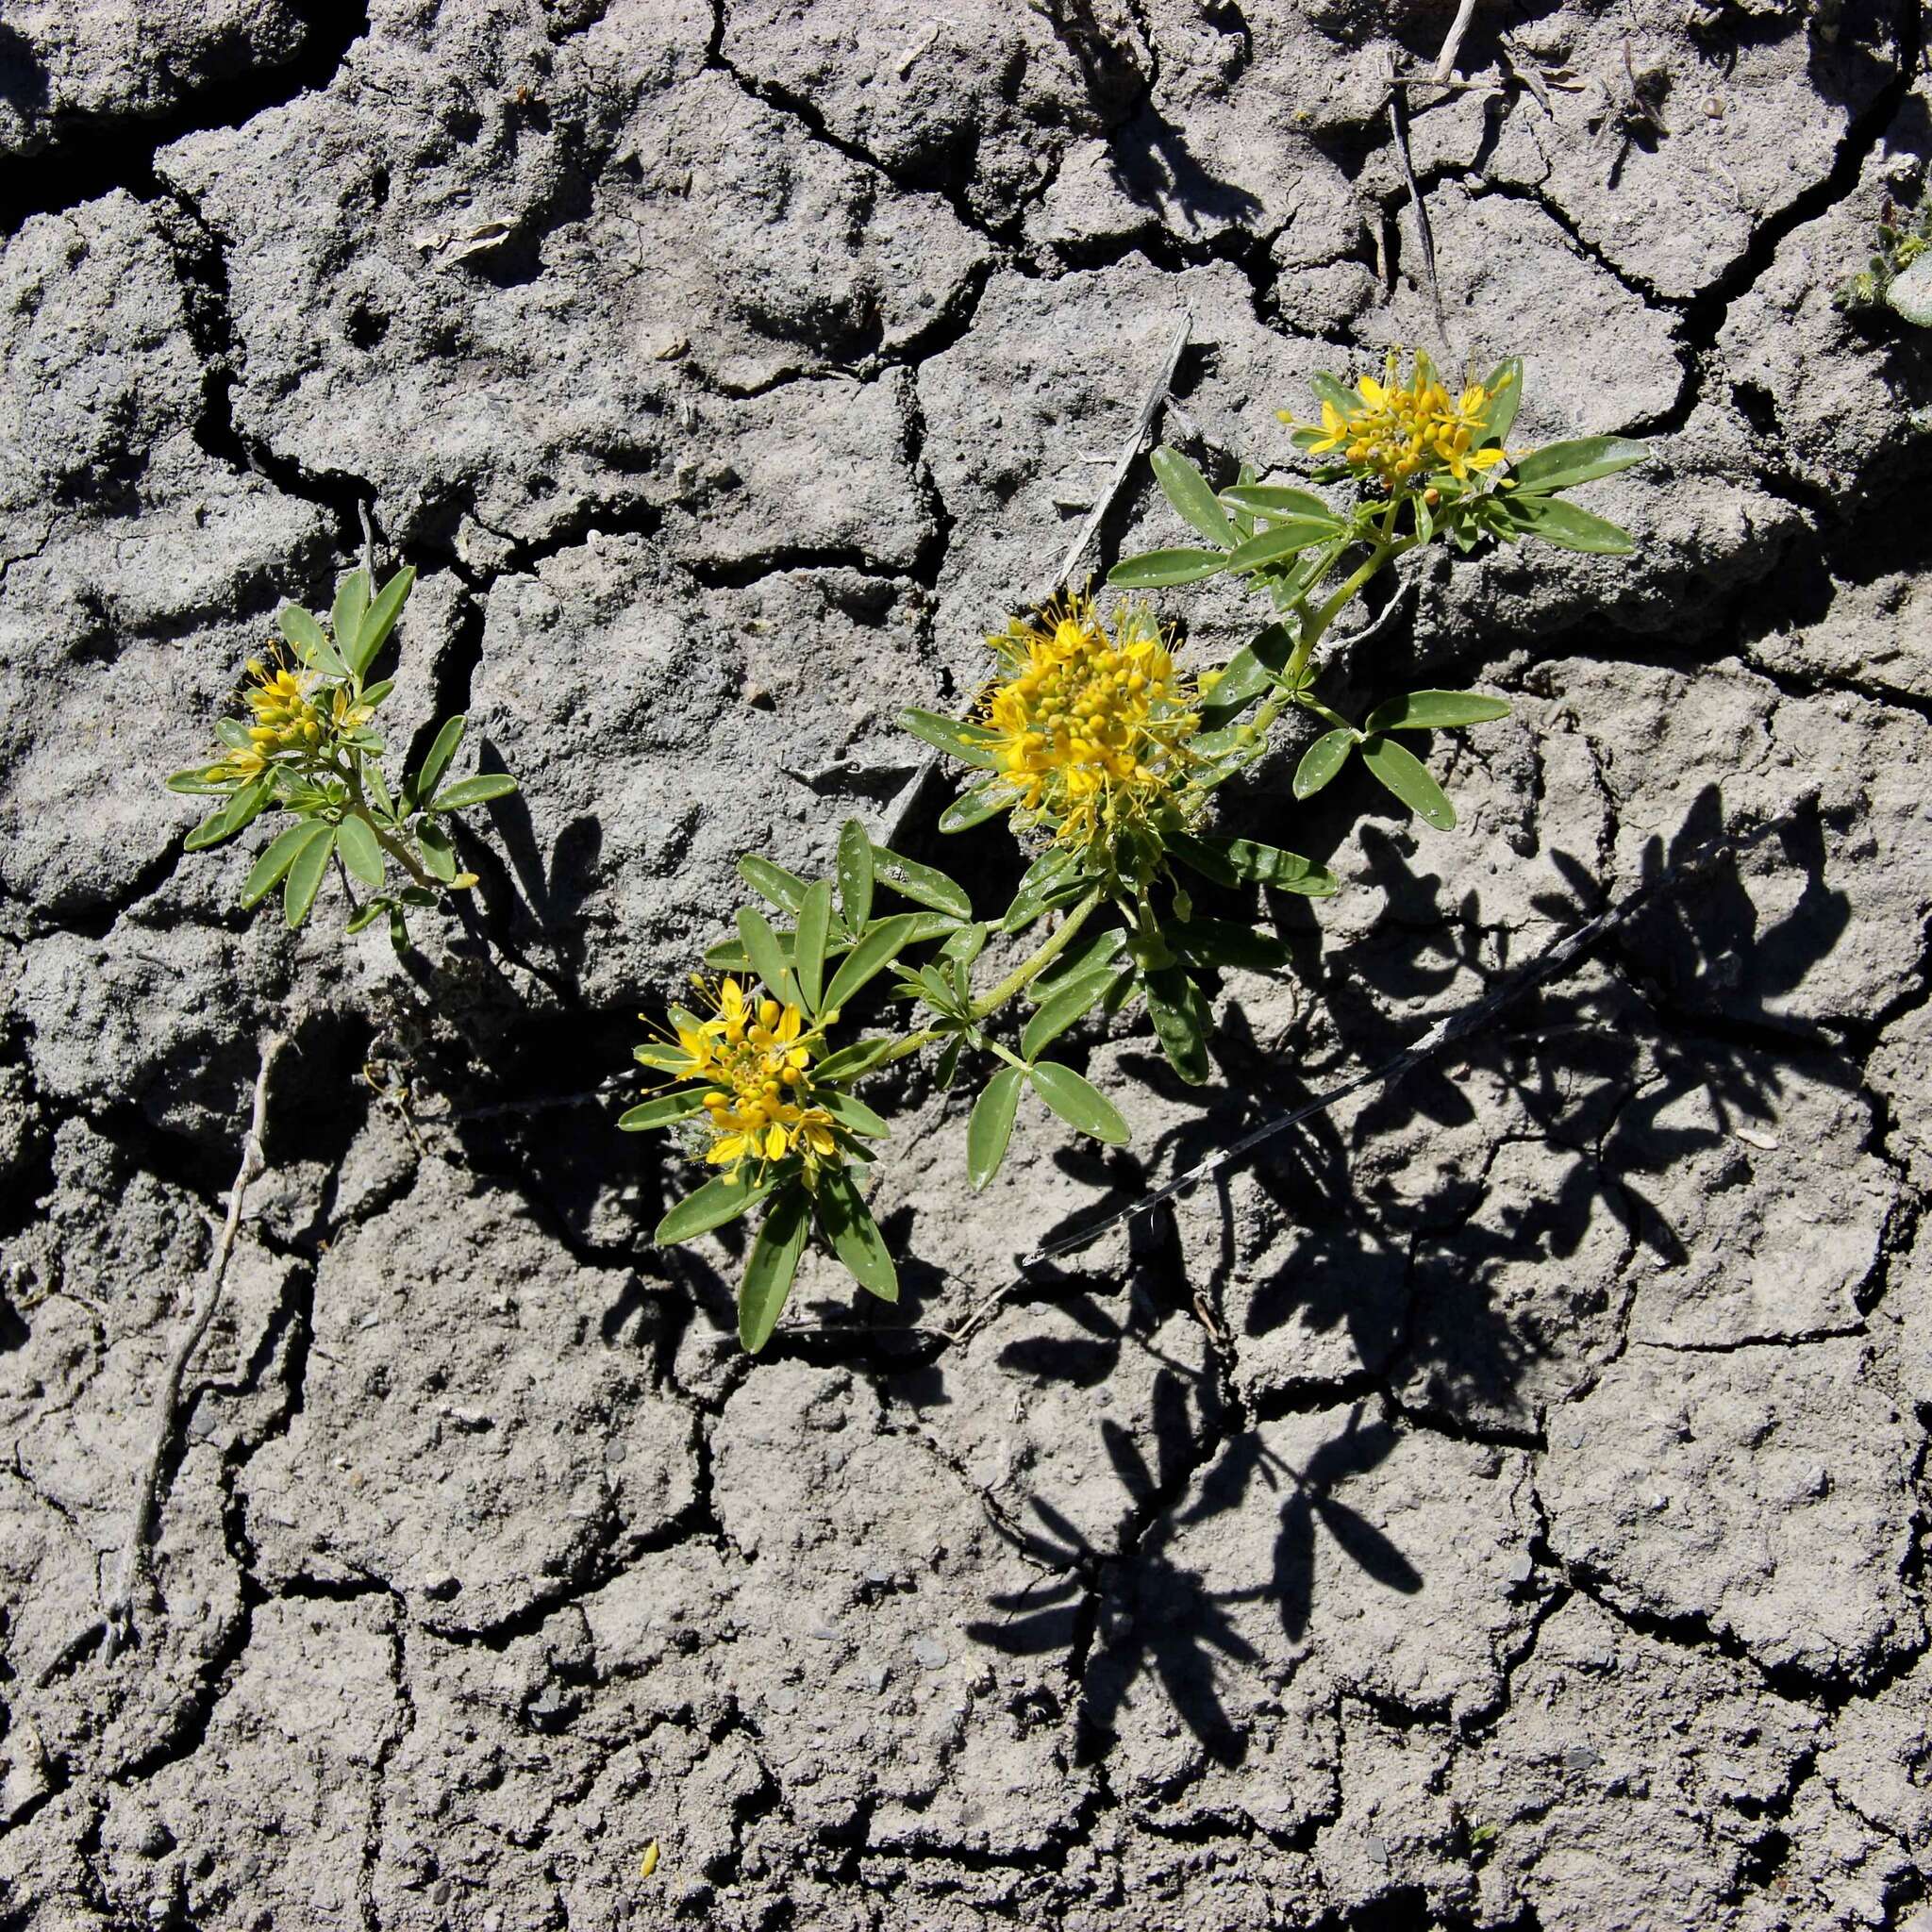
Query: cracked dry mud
x,y
1501,1506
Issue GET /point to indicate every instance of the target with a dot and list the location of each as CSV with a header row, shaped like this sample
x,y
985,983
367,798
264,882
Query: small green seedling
x,y
308,749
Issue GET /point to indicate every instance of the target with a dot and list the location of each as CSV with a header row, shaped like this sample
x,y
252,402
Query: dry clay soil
x,y
1501,1505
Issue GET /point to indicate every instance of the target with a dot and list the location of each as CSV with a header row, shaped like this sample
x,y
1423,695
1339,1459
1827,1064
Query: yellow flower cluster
x,y
288,719
1400,431
760,1104
1092,727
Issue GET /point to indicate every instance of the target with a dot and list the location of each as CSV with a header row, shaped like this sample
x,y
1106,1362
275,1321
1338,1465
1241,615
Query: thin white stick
x,y
120,1608
1445,60
1144,428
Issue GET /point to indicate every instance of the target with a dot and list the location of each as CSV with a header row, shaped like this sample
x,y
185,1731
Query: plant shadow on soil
x,y
1595,1067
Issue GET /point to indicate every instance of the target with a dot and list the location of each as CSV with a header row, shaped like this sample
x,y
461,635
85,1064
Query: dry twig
x,y
1445,60
120,1607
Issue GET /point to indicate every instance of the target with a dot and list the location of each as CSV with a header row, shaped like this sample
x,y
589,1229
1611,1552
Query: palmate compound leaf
x,y
770,1266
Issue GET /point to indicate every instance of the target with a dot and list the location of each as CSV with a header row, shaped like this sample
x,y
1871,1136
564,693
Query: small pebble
x,y
614,1453
1581,1758
928,1655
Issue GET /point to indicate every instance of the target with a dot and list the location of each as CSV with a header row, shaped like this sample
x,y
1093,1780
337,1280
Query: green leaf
x,y
923,884
854,873
992,1125
770,1267
311,646
663,1110
850,1062
1274,501
970,743
1505,385
440,752
1407,777
974,807
1327,390
1246,676
1217,942
345,619
852,1113
921,926
965,943
785,890
1206,858
1082,960
198,781
243,807
304,879
233,733
1185,487
760,946
477,790
1039,884
1079,1103
855,1237
808,942
1435,710
713,1204
376,693
1286,872
1283,540
875,949
1070,1004
281,854
381,620
357,843
1322,760
367,914
1568,527
1563,465
379,793
1181,1021
1155,569
948,1067
438,854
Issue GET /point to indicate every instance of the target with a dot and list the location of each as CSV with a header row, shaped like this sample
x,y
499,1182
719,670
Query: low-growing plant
x,y
1898,275
308,747
1105,756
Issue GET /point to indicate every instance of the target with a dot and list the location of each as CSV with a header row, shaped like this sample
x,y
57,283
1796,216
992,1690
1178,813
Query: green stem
x,y
389,843
1029,969
1016,981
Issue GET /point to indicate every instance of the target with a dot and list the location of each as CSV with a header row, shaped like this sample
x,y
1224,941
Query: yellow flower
x,y
289,717
1400,431
749,1056
1092,727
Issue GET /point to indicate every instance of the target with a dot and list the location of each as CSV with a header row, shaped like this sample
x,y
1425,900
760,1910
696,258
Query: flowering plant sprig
x,y
308,747
1104,755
